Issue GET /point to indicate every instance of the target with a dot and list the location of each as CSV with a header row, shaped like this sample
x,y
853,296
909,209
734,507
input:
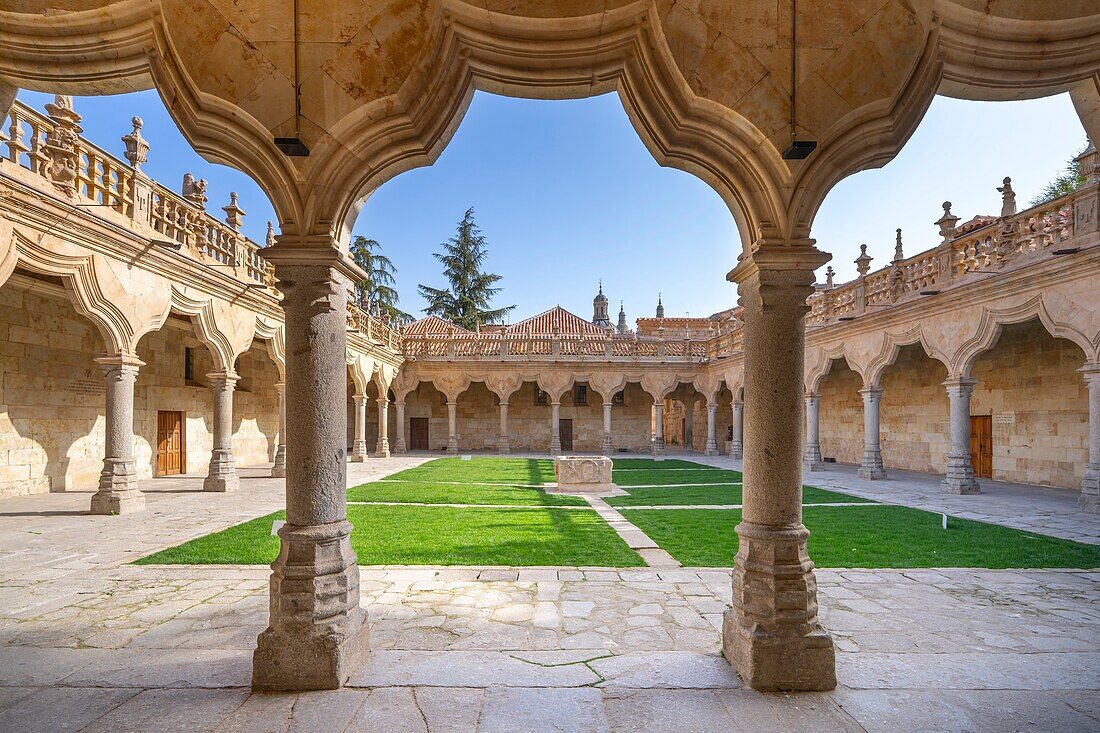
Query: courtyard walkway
x,y
90,642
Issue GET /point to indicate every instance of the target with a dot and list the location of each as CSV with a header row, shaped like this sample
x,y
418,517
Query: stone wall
x,y
841,414
914,433
1028,382
52,396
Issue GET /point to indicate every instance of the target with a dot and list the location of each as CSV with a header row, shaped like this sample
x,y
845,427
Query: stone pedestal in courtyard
x,y
583,474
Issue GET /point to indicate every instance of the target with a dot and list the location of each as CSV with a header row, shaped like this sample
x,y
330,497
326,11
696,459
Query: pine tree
x,y
377,295
1068,182
468,299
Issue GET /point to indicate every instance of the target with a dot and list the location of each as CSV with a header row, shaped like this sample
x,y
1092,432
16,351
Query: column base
x,y
452,447
606,446
126,501
222,475
711,449
820,465
504,446
771,634
382,450
871,468
318,635
279,469
1090,491
737,451
960,486
358,452
555,446
1089,503
399,446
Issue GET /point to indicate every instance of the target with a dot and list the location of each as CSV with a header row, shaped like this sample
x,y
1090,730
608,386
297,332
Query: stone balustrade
x,y
613,347
50,147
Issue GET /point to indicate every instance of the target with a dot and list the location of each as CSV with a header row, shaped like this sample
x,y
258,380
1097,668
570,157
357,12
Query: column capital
x,y
960,383
1090,371
312,251
817,396
359,399
503,403
229,378
871,392
119,360
382,402
768,255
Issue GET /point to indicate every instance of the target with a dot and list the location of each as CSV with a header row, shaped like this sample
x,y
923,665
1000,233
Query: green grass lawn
x,y
882,536
399,535
429,493
711,495
657,476
482,470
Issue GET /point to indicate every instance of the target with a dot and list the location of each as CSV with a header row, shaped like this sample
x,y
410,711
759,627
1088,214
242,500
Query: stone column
x,y
359,444
279,469
606,446
118,493
317,633
871,467
712,442
960,470
659,427
503,440
399,445
689,426
222,475
452,427
1090,487
555,426
812,457
737,444
382,449
771,633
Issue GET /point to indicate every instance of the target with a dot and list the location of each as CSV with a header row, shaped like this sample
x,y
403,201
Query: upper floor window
x,y
618,399
188,364
541,398
580,395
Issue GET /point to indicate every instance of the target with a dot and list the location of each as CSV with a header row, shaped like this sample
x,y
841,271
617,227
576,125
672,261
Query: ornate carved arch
x,y
225,329
821,364
890,348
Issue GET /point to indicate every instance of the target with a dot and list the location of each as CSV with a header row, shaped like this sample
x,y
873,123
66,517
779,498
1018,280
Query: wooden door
x,y
418,433
981,445
565,433
171,452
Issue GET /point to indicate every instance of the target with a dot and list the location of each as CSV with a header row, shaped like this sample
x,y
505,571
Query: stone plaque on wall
x,y
1004,418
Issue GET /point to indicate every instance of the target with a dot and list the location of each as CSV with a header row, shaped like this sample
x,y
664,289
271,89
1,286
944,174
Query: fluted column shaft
x,y
737,442
279,469
222,475
503,439
382,449
959,478
771,633
871,467
712,442
317,632
452,427
812,457
555,427
359,443
118,493
1090,486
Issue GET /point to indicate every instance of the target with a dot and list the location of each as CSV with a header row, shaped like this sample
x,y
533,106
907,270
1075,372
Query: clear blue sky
x,y
567,194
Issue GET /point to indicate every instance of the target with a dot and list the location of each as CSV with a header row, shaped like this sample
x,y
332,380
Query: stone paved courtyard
x,y
90,642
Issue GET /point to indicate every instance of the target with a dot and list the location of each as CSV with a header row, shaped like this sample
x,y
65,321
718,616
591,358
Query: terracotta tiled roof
x,y
432,325
557,319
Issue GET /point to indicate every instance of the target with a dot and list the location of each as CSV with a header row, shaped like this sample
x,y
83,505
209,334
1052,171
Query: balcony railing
x,y
565,347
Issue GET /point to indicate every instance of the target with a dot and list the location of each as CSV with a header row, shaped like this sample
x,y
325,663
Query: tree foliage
x,y
467,301
1067,182
377,295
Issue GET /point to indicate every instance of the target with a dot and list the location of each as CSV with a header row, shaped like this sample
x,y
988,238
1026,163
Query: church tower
x,y
660,307
621,328
599,309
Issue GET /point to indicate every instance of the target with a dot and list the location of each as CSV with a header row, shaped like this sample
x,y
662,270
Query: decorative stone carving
x,y
947,222
137,147
583,473
234,214
1008,198
62,144
194,190
863,262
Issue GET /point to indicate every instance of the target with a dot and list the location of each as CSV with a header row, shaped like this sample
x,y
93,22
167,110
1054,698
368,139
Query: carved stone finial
x,y
194,190
137,147
947,222
62,144
234,214
1008,198
898,254
829,277
863,262
270,238
1089,162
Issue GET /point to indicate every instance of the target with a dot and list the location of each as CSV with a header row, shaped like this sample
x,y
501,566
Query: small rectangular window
x,y
188,364
618,399
580,396
541,398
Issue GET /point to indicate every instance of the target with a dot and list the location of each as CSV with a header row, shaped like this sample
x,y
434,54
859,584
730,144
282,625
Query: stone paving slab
x,y
91,643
